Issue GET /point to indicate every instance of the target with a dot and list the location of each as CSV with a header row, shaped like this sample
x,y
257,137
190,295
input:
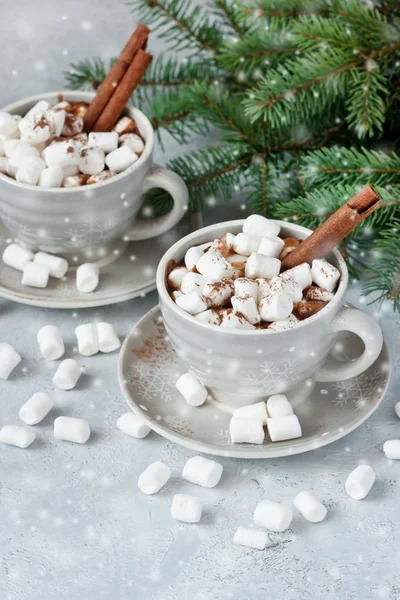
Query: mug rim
x,y
83,97
164,295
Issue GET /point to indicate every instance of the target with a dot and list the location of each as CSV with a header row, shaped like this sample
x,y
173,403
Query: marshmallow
x,y
193,255
301,274
391,449
70,429
67,375
100,177
134,141
246,287
40,107
247,307
313,292
359,482
310,507
124,125
71,170
263,289
251,538
10,146
324,274
91,160
87,278
262,266
9,359
253,411
273,516
186,508
191,303
81,140
36,408
21,152
176,293
209,316
233,320
271,246
133,425
58,266
245,244
56,120
202,471
35,275
192,282
51,177
284,324
154,478
30,170
397,409
257,226
61,154
4,165
16,436
176,276
219,292
290,245
224,245
191,389
63,105
8,125
284,428
50,342
238,260
249,431
108,339
289,286
120,159
279,406
17,257
275,307
72,181
73,125
214,266
88,341
37,129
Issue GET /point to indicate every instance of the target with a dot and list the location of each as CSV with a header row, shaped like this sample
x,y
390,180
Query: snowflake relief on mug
x,y
271,375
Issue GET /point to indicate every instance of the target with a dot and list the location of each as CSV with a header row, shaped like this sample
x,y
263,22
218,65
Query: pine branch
x,y
173,72
366,101
86,74
229,15
282,9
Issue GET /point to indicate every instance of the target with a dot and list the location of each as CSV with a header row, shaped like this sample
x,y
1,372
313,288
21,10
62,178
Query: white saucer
x,y
148,369
131,274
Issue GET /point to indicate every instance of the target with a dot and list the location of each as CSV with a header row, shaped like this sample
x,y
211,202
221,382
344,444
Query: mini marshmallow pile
x,y
48,148
38,268
235,282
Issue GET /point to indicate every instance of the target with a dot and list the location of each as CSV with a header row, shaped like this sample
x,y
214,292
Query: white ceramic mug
x,y
84,221
241,366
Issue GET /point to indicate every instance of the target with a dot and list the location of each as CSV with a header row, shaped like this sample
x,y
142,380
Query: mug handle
x,y
358,322
158,177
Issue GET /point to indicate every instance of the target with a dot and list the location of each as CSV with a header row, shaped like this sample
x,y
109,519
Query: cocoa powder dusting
x,y
154,348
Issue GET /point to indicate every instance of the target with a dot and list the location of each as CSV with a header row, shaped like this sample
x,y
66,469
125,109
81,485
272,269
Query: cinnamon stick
x,y
335,228
123,92
137,40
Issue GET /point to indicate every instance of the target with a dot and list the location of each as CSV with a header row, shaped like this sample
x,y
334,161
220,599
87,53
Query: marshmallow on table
x,y
9,359
246,287
202,471
245,244
360,481
50,342
51,177
397,409
35,275
258,226
58,266
279,406
249,431
301,274
252,411
36,408
214,266
284,428
91,160
280,284
271,246
108,339
284,324
260,266
191,389
87,277
208,316
251,538
191,303
219,292
133,425
324,274
247,307
194,254
176,276
13,435
88,340
17,257
186,508
275,307
273,516
131,139
310,507
154,478
263,289
192,282
8,125
67,375
21,152
30,170
233,320
391,449
120,159
71,429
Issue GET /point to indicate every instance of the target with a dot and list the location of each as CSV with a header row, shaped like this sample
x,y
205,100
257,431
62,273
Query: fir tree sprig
x,y
86,74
